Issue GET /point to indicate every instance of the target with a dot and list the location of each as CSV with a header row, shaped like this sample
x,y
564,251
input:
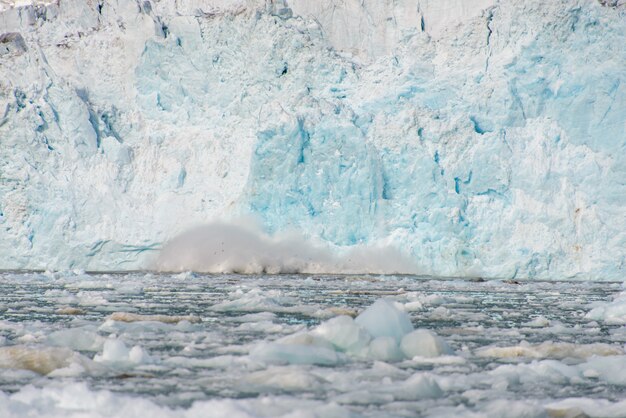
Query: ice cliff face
x,y
480,138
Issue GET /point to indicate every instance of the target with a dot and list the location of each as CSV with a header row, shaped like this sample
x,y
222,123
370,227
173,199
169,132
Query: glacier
x,y
479,138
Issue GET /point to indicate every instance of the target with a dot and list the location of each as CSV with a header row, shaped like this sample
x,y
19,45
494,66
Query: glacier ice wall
x,y
477,137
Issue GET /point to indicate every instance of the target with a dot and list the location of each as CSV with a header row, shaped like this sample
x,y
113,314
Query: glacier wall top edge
x,y
479,138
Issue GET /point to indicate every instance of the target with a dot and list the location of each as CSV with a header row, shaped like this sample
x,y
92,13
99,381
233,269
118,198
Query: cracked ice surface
x,y
477,140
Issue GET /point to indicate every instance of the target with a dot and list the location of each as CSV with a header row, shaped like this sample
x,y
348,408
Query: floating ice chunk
x,y
551,350
115,351
433,300
69,310
28,338
255,317
511,409
538,322
415,305
375,334
609,369
61,296
185,326
384,319
304,338
130,289
117,327
263,326
78,400
344,333
91,299
256,300
333,311
611,313
77,339
422,385
42,360
138,355
552,371
166,319
585,407
385,349
424,343
219,362
618,334
364,397
417,387
283,379
440,313
439,360
300,348
277,353
86,282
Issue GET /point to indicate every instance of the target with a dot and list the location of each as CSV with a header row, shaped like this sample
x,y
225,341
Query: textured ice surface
x,y
478,138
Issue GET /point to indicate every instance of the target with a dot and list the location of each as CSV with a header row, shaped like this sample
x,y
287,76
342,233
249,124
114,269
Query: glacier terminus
x,y
476,138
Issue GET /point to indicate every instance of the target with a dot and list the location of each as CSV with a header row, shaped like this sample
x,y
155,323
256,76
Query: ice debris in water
x,y
586,407
116,352
43,360
280,378
78,400
382,332
166,319
558,350
302,348
384,319
344,333
424,343
611,313
376,375
81,339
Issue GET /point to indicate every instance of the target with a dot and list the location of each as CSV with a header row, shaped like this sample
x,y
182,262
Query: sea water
x,y
162,345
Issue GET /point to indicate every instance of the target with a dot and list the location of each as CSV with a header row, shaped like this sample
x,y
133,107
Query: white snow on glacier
x,y
478,138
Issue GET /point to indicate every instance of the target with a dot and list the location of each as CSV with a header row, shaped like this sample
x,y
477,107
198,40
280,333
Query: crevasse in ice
x,y
478,138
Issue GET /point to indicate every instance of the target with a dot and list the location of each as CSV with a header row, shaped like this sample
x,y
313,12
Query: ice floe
x,y
43,360
115,352
166,319
613,312
381,332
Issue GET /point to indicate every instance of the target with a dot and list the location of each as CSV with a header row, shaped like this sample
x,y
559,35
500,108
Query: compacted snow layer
x,y
191,345
477,138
